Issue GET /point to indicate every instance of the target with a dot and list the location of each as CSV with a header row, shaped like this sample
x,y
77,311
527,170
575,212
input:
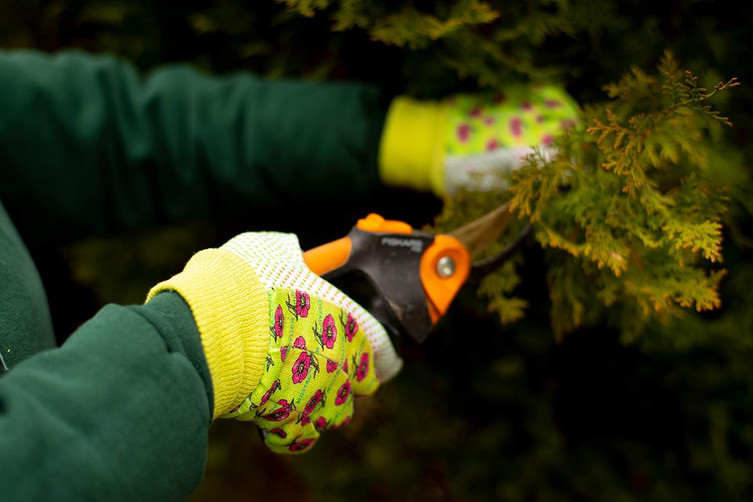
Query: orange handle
x,y
375,223
329,256
410,270
439,290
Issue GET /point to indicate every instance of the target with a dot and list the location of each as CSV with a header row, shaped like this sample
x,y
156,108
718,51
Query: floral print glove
x,y
469,140
294,351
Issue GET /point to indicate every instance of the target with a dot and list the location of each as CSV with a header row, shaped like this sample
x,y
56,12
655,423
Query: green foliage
x,y
474,39
403,26
629,197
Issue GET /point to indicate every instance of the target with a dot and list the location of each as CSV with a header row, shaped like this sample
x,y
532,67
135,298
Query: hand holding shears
x,y
416,274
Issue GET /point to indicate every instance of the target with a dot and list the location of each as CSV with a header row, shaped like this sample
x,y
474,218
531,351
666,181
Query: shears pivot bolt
x,y
445,267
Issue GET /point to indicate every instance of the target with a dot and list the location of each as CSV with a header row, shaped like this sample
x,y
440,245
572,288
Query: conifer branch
x,y
641,221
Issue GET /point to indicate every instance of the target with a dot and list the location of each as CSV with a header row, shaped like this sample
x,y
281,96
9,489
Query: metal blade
x,y
481,233
482,268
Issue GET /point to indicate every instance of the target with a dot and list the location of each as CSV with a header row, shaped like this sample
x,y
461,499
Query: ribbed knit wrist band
x,y
231,311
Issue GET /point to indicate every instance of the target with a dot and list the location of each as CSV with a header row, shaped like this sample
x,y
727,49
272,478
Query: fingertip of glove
x,y
280,440
388,370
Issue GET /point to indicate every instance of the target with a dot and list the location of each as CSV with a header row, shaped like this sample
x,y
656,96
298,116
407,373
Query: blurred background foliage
x,y
481,411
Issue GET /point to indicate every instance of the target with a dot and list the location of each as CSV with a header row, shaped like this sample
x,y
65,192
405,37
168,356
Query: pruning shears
x,y
416,274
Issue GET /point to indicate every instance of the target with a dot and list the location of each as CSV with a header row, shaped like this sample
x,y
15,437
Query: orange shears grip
x,y
441,290
335,254
329,256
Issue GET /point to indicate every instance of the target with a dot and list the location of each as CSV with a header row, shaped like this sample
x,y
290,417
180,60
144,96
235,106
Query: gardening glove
x,y
285,349
470,141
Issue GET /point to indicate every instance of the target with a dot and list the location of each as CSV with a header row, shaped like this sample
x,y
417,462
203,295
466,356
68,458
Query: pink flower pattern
x,y
301,445
492,145
363,367
280,413
306,363
275,386
464,133
350,326
320,423
301,367
279,323
302,303
343,393
300,307
516,126
329,332
312,403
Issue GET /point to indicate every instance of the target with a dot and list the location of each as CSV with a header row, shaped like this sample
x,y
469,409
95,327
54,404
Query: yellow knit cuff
x,y
231,309
411,148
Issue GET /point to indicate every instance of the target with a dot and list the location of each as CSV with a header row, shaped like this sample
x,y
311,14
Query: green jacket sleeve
x,y
119,412
88,145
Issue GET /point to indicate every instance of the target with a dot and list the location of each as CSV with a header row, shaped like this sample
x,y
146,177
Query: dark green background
x,y
481,412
